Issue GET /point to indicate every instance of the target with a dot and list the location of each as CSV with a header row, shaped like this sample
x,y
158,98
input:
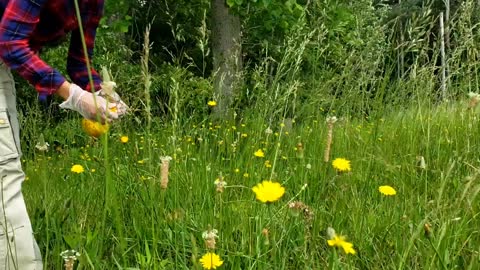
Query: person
x,y
26,26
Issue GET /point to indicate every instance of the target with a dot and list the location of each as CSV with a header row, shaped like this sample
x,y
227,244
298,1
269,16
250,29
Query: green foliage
x,y
163,228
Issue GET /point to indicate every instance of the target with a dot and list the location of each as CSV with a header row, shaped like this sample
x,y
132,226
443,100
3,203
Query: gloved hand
x,y
109,94
83,102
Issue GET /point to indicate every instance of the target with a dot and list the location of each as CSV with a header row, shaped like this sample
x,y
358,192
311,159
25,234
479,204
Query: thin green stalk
x,y
109,192
47,212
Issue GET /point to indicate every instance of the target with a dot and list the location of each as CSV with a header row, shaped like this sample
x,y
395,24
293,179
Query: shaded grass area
x,y
432,222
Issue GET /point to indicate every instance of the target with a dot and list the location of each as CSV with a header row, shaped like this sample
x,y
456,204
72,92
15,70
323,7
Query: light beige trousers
x,y
18,248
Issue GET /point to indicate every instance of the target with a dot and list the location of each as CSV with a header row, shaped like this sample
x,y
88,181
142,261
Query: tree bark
x,y
227,56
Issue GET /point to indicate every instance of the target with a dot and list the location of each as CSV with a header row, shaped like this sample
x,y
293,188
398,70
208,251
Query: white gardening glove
x,y
109,94
84,102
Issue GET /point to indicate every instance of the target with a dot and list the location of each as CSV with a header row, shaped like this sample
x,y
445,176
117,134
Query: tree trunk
x,y
227,56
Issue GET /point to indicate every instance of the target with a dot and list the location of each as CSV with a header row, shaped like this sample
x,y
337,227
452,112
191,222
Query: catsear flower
x,y
341,165
77,168
268,191
124,139
339,241
259,153
93,128
387,190
211,261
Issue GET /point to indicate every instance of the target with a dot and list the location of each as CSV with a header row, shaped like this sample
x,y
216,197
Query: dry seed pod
x,y
330,122
164,171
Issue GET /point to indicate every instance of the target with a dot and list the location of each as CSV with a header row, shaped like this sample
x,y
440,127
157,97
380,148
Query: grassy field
x,y
117,216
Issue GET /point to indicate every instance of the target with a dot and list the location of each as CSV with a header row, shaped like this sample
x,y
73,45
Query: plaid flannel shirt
x,y
28,25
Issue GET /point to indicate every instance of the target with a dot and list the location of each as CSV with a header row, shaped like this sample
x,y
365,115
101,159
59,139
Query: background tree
x,y
227,55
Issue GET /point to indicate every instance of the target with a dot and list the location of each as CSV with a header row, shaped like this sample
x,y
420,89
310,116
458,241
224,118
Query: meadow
x,y
118,212
351,142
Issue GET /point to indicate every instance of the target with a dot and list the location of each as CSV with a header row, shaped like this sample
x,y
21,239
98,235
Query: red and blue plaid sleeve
x,y
19,21
76,62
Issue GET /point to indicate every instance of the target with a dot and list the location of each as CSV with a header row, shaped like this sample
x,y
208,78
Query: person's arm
x,y
76,62
64,90
18,23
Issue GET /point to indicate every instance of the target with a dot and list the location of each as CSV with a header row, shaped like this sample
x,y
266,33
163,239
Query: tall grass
x,y
163,228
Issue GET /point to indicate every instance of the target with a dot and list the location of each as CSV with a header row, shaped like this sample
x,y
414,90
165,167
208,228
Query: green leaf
x,y
230,3
124,28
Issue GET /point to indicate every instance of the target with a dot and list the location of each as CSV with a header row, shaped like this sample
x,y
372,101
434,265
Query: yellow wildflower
x,y
268,164
387,190
124,139
93,128
268,191
259,153
211,261
77,168
212,103
339,241
341,165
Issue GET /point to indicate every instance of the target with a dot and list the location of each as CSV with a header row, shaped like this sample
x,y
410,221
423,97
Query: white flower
x,y
220,184
42,147
421,162
69,255
331,119
473,95
41,144
166,158
210,234
331,233
268,131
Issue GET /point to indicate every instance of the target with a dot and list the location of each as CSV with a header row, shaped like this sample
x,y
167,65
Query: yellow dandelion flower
x,y
268,164
211,261
77,168
387,190
244,135
339,241
237,170
93,128
341,165
259,153
124,139
268,191
212,103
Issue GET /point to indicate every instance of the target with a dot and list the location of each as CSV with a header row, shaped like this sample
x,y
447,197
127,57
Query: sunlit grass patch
x,y
286,217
